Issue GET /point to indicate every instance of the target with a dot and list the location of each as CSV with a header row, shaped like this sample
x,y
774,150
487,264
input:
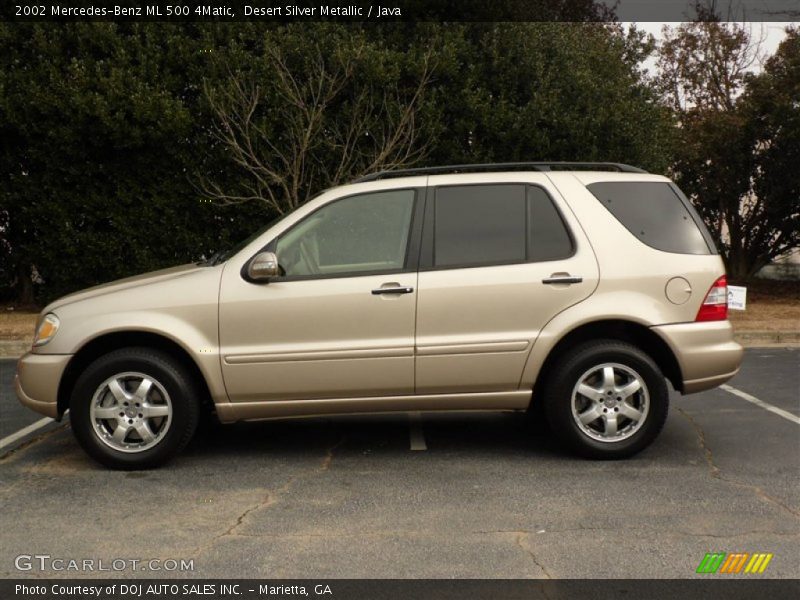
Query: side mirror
x,y
263,267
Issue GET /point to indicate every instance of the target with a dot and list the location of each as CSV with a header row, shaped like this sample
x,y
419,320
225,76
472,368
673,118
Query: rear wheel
x,y
606,400
134,408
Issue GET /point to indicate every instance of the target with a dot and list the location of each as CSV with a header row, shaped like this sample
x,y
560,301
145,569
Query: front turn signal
x,y
46,330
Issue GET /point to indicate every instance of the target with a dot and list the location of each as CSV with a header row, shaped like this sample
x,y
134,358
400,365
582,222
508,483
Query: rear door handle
x,y
392,290
562,279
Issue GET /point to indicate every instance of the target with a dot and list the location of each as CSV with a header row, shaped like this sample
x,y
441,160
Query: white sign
x,y
737,297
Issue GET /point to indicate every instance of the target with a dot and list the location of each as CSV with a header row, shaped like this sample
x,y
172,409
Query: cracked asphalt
x,y
491,497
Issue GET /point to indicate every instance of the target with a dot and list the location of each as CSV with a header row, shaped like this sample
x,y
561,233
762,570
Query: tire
x,y
134,408
594,423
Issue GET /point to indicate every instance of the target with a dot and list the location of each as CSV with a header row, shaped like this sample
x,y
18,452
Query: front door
x,y
340,322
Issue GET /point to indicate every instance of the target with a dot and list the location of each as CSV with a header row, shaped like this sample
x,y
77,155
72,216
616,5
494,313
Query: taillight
x,y
715,306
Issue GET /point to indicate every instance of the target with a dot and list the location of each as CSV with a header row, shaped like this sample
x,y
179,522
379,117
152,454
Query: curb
x,y
770,338
13,348
748,339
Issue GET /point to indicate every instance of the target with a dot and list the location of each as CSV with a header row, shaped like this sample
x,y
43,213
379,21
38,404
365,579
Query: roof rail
x,y
510,166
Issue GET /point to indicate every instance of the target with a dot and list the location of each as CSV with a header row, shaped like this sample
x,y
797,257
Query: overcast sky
x,y
773,32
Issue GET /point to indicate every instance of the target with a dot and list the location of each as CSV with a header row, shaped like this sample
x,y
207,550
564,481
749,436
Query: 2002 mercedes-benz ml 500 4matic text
x,y
580,289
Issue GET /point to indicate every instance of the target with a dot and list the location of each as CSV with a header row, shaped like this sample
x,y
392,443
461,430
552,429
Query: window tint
x,y
548,238
655,214
368,232
479,224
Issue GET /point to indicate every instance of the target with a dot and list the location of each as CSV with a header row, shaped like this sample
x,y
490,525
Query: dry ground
x,y
771,306
17,325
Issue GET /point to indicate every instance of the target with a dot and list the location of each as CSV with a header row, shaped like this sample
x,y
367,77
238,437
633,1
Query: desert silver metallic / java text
x,y
610,402
131,412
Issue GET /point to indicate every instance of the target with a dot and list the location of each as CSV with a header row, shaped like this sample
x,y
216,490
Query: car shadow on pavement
x,y
484,434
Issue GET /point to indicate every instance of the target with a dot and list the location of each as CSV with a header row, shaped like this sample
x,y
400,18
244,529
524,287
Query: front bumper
x,y
37,380
706,352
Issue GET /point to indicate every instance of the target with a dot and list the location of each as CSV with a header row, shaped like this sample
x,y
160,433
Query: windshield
x,y
223,255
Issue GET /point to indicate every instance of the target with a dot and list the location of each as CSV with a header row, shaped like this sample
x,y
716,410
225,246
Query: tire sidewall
x,y
160,367
559,399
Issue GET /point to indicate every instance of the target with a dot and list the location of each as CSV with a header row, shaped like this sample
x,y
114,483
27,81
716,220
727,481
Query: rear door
x,y
498,261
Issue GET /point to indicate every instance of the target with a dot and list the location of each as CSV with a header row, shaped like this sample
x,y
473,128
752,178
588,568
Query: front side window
x,y
364,233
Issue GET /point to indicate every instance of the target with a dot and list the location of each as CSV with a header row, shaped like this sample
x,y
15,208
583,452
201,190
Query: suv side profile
x,y
578,289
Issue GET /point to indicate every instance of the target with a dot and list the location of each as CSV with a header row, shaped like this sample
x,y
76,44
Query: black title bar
x,y
389,589
393,10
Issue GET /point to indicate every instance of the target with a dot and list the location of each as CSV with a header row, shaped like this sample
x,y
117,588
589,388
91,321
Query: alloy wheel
x,y
610,402
131,412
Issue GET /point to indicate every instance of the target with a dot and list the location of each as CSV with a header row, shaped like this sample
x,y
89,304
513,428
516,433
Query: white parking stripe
x,y
416,437
766,406
8,440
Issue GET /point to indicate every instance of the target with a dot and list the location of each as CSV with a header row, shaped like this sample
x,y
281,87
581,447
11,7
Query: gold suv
x,y
578,289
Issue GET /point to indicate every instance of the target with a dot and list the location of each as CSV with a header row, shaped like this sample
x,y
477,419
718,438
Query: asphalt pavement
x,y
488,497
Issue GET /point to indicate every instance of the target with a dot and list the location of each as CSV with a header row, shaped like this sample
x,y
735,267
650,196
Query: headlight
x,y
46,330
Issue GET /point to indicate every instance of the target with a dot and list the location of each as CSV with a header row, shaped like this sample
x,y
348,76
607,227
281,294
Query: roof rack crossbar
x,y
510,166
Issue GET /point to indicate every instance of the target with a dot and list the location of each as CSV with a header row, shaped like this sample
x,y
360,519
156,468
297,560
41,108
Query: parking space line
x,y
8,440
415,434
760,403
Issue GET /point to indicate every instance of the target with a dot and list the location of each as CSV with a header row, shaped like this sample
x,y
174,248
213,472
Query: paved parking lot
x,y
488,497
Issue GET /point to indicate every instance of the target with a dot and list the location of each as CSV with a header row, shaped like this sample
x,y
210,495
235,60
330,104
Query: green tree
x,y
735,138
100,126
552,91
299,116
771,104
105,129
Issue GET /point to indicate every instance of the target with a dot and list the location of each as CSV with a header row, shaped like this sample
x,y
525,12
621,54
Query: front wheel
x,y
134,408
606,400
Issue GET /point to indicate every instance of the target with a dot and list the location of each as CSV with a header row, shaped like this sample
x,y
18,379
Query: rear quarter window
x,y
657,214
548,238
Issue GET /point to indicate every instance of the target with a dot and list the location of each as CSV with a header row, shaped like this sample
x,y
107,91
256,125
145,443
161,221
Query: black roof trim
x,y
511,166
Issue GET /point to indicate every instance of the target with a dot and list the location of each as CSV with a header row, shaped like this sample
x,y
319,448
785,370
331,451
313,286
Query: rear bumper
x,y
37,380
706,353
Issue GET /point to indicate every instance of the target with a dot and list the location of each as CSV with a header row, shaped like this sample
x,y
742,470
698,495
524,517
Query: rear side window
x,y
478,225
656,214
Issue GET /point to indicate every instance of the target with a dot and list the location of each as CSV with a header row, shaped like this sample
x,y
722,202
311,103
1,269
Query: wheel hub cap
x,y
131,412
610,402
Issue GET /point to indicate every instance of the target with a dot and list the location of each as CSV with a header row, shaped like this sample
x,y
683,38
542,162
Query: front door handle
x,y
392,290
562,279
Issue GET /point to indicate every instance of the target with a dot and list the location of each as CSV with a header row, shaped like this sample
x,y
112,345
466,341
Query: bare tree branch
x,y
283,163
703,65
